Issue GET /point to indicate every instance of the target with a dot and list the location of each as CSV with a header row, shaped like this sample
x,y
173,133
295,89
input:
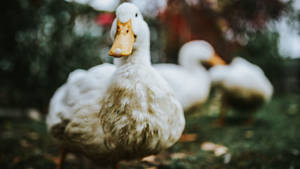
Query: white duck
x,y
190,80
244,86
133,115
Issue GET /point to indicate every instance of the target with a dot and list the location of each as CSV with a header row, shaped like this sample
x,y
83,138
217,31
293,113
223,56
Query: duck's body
x,y
136,114
244,84
190,80
191,87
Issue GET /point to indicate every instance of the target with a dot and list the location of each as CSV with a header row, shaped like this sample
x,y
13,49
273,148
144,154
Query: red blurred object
x,y
177,25
222,23
105,19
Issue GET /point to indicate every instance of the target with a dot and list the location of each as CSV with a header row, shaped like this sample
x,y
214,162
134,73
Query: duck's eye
x,y
134,36
136,15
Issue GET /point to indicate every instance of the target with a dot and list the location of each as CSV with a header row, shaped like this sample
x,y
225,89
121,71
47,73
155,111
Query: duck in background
x,y
133,114
190,80
244,87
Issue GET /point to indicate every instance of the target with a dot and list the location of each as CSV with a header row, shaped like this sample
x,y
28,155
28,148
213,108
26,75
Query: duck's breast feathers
x,y
139,110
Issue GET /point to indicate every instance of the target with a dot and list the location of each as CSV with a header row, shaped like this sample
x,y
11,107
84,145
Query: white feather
x,y
189,80
242,78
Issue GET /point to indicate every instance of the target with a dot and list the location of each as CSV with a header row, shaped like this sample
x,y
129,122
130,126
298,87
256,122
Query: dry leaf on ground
x,y
150,159
178,155
188,138
218,149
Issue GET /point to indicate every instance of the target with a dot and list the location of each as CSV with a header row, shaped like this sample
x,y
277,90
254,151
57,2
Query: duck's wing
x,y
248,79
85,87
82,90
58,109
167,107
190,88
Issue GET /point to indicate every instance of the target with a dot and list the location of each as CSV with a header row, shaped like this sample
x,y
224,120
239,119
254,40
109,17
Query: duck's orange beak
x,y
124,40
216,60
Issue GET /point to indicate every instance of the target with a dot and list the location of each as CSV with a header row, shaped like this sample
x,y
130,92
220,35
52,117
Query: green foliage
x,y
39,48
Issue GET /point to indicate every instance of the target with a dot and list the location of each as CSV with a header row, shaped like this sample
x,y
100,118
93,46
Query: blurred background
x,y
42,41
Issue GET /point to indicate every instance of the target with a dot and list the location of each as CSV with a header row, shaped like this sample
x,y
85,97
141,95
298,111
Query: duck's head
x,y
196,51
129,31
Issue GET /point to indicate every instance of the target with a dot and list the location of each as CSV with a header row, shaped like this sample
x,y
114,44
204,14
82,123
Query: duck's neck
x,y
139,56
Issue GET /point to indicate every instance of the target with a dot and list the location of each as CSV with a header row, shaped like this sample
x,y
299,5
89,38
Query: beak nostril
x,y
118,51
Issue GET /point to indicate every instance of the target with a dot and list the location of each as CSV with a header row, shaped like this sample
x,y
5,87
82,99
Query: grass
x,y
272,142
